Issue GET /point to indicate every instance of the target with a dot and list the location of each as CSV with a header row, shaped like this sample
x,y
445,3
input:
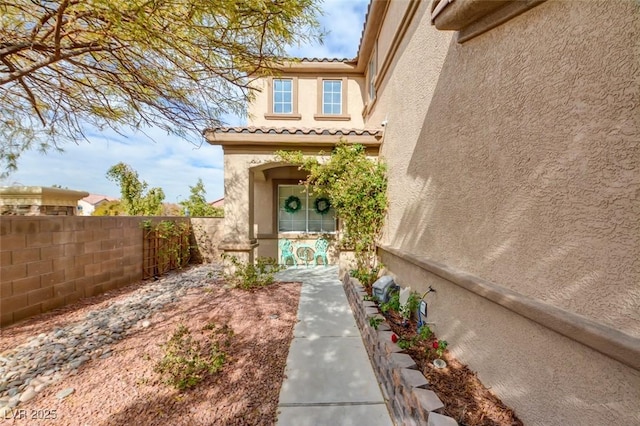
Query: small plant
x,y
368,298
440,346
405,343
366,276
424,333
249,276
410,307
185,362
393,303
375,322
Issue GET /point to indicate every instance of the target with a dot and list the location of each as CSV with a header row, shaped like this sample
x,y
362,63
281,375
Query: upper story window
x,y
283,99
282,96
332,97
371,77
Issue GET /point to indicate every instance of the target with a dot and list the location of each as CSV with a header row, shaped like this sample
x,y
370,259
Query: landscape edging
x,y
406,390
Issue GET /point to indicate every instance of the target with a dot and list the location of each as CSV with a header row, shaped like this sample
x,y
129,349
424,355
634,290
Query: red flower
x,y
435,345
394,338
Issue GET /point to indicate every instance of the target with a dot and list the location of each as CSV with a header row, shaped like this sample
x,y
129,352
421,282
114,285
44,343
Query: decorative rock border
x,y
409,399
48,358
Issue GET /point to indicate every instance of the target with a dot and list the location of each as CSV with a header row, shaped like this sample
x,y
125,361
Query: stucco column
x,y
239,239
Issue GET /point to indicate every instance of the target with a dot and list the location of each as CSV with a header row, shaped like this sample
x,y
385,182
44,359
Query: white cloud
x,y
167,162
171,162
343,21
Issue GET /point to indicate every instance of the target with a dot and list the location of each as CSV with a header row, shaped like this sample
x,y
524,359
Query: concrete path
x,y
328,378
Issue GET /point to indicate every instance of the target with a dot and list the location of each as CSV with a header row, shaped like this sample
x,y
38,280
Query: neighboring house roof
x,y
218,203
94,199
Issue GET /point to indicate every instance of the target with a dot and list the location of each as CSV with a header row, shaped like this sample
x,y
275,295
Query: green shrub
x,y
366,276
185,362
248,276
393,303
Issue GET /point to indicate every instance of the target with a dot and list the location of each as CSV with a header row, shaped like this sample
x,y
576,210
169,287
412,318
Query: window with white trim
x,y
306,219
332,97
282,96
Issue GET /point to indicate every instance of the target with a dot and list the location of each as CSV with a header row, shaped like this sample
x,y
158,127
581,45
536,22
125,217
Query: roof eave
x,y
373,22
289,140
316,67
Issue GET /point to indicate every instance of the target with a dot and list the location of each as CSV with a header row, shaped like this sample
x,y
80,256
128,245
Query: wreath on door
x,y
292,204
322,205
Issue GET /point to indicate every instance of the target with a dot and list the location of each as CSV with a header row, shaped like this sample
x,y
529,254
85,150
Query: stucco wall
x,y
267,172
519,163
392,22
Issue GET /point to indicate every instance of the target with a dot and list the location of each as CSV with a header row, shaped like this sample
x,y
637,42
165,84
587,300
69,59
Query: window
x,y
282,96
306,219
332,97
371,76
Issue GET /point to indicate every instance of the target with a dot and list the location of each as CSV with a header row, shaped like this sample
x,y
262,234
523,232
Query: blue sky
x,y
167,161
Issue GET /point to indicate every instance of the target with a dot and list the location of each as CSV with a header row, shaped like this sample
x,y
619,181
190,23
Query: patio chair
x,y
286,252
322,246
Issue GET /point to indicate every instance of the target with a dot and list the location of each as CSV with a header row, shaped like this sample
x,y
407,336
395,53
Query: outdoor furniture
x,y
322,246
305,252
286,252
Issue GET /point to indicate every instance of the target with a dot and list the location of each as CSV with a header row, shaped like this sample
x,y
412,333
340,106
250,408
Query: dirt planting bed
x,y
123,389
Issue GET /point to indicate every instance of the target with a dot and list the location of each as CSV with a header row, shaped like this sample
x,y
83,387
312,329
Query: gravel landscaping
x,y
92,362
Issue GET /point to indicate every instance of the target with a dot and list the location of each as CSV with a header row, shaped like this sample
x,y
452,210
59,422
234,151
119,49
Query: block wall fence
x,y
50,262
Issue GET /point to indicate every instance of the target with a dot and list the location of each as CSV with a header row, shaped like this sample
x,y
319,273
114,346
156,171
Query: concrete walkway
x,y
328,378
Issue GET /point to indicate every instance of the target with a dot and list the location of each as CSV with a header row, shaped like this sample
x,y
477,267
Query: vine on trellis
x,y
166,246
356,187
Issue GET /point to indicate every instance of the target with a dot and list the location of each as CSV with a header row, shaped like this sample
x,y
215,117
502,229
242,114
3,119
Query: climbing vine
x,y
166,246
356,187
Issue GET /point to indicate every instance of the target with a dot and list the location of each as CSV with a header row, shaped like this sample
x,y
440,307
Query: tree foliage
x,y
177,65
134,200
197,205
109,208
357,189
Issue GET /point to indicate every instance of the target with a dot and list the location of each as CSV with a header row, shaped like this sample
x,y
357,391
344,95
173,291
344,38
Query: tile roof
x,y
296,131
218,203
305,59
364,27
96,198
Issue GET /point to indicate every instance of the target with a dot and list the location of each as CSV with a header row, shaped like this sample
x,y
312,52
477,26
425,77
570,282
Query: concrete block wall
x,y
407,393
50,262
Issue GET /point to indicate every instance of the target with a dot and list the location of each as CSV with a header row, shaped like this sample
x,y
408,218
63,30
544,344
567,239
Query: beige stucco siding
x,y
526,167
520,164
392,22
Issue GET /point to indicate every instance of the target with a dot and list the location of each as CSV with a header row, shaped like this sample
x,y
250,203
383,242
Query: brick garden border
x,y
407,393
